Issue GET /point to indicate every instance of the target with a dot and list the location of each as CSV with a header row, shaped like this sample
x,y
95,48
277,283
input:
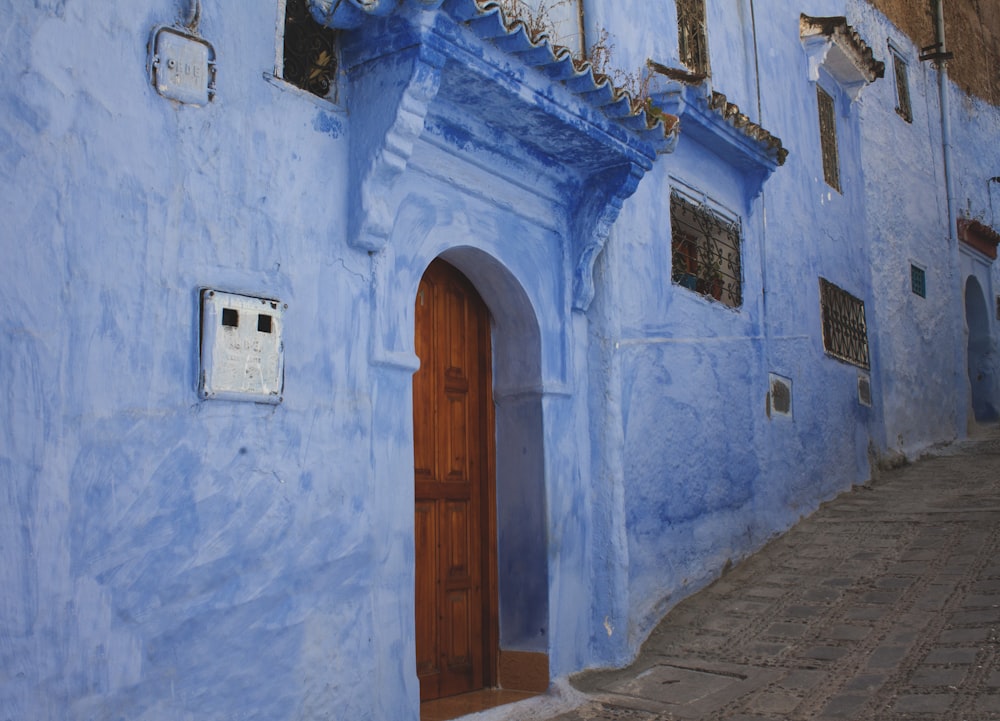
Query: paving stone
x,y
804,679
887,597
804,611
866,613
786,630
824,653
964,635
868,682
924,703
925,676
774,702
976,618
943,656
887,656
844,706
988,704
981,601
848,633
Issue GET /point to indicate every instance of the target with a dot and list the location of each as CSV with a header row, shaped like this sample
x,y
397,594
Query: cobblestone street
x,y
884,604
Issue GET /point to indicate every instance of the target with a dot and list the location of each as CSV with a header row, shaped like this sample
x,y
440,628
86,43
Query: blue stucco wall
x,y
165,557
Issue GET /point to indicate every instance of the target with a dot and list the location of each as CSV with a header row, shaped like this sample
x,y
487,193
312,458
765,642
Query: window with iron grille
x,y
692,35
828,137
705,251
902,88
845,331
918,280
310,51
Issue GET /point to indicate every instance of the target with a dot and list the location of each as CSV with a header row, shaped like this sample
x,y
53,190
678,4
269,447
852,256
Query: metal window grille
x,y
902,89
705,251
692,34
310,51
845,331
918,281
828,137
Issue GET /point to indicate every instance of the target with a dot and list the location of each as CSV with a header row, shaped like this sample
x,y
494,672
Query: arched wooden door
x,y
453,470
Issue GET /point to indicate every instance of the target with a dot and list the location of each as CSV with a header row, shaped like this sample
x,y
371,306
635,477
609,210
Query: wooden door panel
x,y
458,549
425,539
457,450
451,452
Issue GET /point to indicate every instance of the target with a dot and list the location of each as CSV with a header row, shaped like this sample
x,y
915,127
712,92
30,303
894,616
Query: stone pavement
x,y
884,604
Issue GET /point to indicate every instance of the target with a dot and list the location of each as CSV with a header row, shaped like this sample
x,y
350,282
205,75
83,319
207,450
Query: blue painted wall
x,y
164,557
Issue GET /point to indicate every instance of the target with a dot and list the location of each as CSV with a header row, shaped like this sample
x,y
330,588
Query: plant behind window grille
x,y
706,251
310,51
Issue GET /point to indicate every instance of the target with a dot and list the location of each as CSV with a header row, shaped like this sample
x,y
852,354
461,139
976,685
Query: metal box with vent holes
x,y
242,351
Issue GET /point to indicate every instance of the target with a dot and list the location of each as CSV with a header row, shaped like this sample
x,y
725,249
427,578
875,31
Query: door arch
x,y
979,353
454,510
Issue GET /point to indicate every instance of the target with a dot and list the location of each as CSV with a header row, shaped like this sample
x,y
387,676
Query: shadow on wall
x,y
980,354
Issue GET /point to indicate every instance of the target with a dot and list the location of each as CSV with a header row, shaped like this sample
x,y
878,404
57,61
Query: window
x,y
918,280
705,251
828,137
310,51
692,36
902,86
845,331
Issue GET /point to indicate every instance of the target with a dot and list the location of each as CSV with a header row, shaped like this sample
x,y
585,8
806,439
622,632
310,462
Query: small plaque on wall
x,y
182,66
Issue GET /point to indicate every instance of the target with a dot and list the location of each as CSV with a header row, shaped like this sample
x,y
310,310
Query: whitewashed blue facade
x,y
164,555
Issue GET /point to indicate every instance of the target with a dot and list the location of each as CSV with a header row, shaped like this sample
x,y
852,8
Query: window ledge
x,y
285,86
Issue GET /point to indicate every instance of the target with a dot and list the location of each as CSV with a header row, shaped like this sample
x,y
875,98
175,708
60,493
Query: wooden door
x,y
452,439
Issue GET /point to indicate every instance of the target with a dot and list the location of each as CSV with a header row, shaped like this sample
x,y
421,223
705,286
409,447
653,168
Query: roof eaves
x,y
487,20
691,97
837,47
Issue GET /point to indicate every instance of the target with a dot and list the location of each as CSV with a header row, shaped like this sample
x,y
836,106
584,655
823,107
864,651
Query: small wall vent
x,y
865,389
779,397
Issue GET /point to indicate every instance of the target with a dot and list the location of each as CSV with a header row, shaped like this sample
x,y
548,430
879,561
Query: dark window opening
x,y
692,35
705,254
902,89
845,330
828,137
264,323
230,317
310,51
918,281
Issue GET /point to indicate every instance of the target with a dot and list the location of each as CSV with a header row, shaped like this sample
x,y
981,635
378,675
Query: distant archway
x,y
979,353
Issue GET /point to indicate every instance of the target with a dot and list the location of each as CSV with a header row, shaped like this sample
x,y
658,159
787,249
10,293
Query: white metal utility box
x,y
242,351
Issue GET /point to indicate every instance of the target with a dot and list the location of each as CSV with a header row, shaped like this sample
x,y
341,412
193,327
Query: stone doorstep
x,y
689,689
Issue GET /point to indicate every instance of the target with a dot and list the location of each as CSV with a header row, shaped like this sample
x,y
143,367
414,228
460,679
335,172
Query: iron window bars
x,y
903,106
310,51
845,330
918,280
692,35
828,137
705,251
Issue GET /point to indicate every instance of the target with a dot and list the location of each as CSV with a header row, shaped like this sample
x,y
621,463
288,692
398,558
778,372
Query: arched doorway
x,y
979,353
455,510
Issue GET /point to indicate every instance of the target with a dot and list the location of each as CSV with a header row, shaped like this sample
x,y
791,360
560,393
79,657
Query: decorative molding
x,y
374,218
595,215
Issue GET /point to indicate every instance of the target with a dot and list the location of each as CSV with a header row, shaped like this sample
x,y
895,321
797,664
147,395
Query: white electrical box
x,y
242,352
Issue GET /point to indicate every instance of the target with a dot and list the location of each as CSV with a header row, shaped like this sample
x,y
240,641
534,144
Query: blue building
x,y
365,352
